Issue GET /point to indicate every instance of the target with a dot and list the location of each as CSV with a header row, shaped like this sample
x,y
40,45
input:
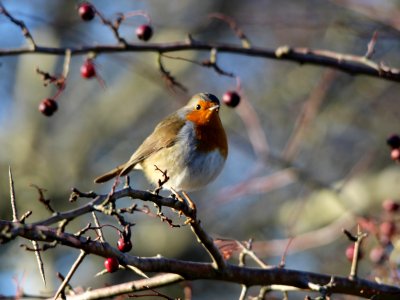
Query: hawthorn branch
x,y
129,287
196,270
348,63
99,199
70,274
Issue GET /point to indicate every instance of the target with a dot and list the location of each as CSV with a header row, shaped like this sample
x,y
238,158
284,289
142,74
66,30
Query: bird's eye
x,y
198,107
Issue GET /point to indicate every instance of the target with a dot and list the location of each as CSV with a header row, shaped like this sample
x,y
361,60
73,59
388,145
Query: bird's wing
x,y
163,136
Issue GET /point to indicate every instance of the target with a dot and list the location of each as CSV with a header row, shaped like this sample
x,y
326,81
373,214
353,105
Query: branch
x,y
21,25
128,287
196,270
351,64
125,192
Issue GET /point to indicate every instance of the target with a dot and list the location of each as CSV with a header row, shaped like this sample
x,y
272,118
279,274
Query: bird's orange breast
x,y
209,131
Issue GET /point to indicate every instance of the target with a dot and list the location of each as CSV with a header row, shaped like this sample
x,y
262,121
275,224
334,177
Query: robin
x,y
190,145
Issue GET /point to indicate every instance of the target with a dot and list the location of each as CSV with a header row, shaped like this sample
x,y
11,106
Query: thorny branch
x,y
219,269
40,231
348,63
351,64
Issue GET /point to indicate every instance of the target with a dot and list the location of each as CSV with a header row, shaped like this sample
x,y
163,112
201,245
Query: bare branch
x,y
195,271
233,25
129,287
21,25
351,64
71,272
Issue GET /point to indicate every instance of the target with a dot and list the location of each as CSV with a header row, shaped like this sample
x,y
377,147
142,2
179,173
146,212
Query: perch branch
x,y
348,63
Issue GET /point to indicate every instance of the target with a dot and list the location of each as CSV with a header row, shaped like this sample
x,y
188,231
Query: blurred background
x,y
308,153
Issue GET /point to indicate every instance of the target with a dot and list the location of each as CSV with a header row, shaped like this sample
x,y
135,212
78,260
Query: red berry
x,y
393,141
390,205
86,11
111,264
350,252
231,98
395,154
144,32
88,69
124,245
48,107
387,229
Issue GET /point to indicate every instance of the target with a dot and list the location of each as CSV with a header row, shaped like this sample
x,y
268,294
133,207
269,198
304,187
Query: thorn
x,y
12,196
39,261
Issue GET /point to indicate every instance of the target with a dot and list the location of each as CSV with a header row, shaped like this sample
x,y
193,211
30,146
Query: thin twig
x,y
129,287
249,252
356,253
42,199
233,25
69,286
67,63
21,25
169,79
255,132
243,292
113,26
71,272
208,243
308,114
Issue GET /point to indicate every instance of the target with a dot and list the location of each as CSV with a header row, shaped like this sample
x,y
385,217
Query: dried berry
x,y
48,107
86,11
231,98
144,32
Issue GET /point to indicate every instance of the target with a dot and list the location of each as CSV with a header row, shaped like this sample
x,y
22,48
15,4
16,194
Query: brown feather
x,y
163,136
109,175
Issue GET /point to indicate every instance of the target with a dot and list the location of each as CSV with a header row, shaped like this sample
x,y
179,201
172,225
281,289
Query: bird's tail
x,y
109,175
121,170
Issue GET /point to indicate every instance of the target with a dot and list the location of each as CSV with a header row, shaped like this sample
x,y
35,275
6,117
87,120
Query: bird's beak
x,y
215,107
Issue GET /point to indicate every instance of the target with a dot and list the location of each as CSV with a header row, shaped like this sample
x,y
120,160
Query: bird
x,y
190,146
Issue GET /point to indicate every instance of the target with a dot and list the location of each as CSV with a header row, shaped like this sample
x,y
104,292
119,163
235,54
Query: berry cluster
x,y
124,244
87,12
394,143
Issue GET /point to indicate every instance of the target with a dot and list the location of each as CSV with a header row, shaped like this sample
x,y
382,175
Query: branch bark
x,y
199,271
351,64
